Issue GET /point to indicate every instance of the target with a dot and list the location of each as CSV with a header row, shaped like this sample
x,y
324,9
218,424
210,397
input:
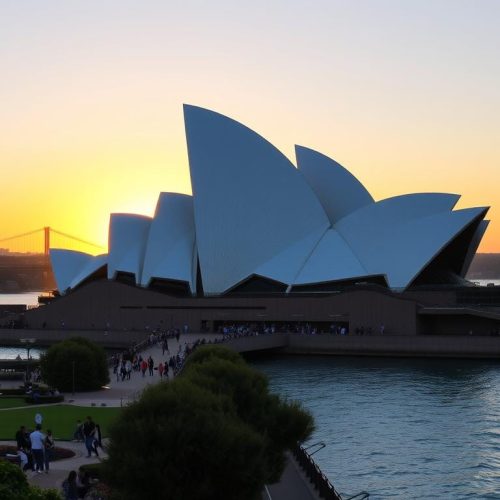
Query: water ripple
x,y
400,428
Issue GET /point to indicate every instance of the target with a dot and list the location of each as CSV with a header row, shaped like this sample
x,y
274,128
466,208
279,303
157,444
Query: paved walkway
x,y
120,393
117,394
60,469
292,486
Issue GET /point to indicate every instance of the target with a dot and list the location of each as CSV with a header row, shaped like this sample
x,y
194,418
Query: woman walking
x,y
49,446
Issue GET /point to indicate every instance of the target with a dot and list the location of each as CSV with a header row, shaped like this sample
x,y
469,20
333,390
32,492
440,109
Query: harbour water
x,y
400,428
397,428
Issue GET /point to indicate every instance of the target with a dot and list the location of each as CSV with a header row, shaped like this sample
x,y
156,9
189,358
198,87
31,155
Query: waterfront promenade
x,y
376,344
292,486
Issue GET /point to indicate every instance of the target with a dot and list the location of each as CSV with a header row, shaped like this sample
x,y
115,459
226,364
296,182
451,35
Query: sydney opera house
x,y
264,240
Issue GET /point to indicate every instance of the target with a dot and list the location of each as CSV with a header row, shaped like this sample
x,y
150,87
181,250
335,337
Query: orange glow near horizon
x,y
404,96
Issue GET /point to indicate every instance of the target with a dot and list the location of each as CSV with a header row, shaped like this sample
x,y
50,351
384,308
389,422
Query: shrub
x,y
88,360
214,432
21,391
93,471
281,423
14,485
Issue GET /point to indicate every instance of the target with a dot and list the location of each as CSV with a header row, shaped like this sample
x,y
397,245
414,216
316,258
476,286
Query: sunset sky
x,y
405,94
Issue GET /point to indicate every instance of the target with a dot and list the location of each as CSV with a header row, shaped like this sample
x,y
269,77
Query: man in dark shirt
x,y
88,433
22,439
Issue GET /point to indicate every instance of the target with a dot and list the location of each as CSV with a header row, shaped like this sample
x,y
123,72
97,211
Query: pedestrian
x,y
82,483
89,433
78,434
161,369
49,446
69,487
97,438
151,366
23,459
22,440
37,438
144,367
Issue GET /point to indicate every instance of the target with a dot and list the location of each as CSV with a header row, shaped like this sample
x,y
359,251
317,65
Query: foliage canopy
x,y
215,432
90,365
14,485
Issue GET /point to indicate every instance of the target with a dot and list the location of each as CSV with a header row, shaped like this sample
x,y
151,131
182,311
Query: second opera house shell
x,y
257,223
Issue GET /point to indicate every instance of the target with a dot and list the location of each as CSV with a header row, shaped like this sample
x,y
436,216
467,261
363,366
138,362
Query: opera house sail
x,y
257,223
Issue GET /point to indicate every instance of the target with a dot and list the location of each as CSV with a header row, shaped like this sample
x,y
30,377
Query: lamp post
x,y
28,345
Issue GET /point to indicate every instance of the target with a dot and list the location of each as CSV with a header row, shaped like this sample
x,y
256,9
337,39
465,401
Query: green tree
x,y
14,485
281,423
216,432
86,358
182,442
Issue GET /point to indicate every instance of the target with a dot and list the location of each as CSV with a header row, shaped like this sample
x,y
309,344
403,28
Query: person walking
x,y
144,367
161,369
151,366
37,438
22,440
78,434
49,446
89,433
118,370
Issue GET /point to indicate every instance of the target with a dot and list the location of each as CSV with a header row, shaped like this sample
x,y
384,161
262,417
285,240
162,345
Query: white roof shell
x,y
93,265
337,189
401,251
285,266
66,264
250,202
170,252
331,260
128,235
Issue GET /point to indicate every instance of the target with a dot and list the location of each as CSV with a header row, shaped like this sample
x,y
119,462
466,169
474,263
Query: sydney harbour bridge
x,y
25,262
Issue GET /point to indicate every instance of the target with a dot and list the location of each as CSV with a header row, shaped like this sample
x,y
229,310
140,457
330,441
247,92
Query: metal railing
x,y
320,482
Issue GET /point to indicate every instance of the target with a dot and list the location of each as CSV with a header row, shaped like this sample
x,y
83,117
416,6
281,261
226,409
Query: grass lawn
x,y
60,419
12,402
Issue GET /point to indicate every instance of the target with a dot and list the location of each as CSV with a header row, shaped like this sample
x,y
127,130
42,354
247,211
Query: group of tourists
x,y
35,449
243,329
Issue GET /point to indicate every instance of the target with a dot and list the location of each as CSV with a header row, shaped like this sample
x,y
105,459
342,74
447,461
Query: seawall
x,y
377,345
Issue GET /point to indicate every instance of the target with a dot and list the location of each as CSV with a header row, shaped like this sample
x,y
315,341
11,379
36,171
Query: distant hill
x,y
485,266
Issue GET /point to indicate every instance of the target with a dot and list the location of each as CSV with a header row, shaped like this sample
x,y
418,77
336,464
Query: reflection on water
x,y
400,428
